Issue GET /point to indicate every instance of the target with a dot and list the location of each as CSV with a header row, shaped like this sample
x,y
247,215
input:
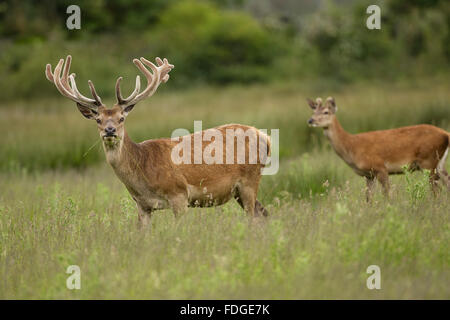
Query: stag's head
x,y
110,121
323,113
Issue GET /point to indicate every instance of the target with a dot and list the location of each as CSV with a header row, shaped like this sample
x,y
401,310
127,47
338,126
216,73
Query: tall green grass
x,y
309,247
52,134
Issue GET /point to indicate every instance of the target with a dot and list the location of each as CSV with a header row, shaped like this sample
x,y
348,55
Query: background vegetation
x,y
248,61
222,42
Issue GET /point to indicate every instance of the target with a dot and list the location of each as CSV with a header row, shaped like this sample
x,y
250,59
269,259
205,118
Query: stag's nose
x,y
310,121
110,130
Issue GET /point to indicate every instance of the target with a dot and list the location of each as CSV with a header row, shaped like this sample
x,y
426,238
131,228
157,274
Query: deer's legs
x,y
442,173
179,204
246,197
437,172
370,185
445,178
434,179
239,200
259,209
383,178
144,216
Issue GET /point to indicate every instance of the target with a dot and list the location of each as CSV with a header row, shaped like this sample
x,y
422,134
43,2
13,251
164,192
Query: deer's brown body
x,y
147,169
377,154
156,182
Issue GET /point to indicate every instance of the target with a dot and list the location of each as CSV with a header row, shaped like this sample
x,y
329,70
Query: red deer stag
x,y
377,154
147,169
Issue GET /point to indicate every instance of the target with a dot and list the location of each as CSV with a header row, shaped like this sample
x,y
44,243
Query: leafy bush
x,y
344,44
213,45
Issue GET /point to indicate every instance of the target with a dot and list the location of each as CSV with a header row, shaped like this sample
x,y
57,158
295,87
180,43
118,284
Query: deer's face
x,y
323,113
110,122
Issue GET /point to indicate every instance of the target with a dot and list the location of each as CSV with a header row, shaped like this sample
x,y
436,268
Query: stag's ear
x,y
311,103
87,112
128,109
332,104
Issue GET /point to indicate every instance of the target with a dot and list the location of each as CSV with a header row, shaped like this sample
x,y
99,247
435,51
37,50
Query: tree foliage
x,y
219,42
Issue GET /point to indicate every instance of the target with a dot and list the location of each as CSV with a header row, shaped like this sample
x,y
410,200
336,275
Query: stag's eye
x,y
98,121
121,119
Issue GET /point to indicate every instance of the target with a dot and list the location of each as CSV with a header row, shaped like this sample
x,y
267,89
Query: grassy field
x,y
61,205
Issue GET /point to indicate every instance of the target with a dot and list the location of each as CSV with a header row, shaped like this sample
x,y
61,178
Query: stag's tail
x,y
443,174
264,144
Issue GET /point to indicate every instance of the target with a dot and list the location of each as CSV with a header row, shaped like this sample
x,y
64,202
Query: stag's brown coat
x,y
147,169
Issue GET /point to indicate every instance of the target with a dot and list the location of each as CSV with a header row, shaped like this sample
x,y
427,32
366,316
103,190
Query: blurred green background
x,y
222,42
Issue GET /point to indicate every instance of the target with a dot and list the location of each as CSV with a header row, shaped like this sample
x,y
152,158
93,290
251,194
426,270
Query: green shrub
x,y
346,48
213,45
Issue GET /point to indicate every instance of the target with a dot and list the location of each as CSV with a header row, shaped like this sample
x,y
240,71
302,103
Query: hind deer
x,y
377,154
147,170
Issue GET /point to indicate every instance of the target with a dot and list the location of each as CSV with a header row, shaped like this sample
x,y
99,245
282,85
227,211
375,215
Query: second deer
x,y
377,154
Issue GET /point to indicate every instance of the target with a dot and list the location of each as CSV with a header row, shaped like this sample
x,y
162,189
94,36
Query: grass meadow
x,y
61,205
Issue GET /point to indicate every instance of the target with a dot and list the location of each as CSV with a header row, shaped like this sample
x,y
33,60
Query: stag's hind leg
x,y
247,200
260,210
440,169
246,197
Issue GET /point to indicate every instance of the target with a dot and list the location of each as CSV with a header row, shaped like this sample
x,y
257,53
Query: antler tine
x,y
118,93
137,88
164,74
70,91
48,72
77,93
159,74
136,96
65,75
94,93
151,85
56,77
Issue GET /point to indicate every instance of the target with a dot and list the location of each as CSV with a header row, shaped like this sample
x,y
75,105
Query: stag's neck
x,y
340,140
121,155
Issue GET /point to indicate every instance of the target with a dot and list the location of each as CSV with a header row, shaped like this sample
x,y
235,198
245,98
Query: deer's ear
x,y
331,104
87,112
311,103
128,109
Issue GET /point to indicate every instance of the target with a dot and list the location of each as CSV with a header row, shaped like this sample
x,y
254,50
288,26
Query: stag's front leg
x,y
144,215
179,204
